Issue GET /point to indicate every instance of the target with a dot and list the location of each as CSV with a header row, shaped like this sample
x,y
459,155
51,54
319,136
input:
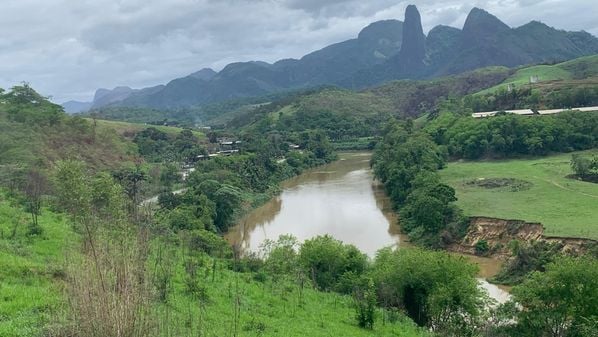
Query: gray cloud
x,y
68,48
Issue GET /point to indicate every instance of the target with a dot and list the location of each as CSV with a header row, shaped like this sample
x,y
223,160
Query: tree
x,y
562,301
584,167
72,189
130,179
436,289
327,261
281,256
227,199
365,305
35,187
25,105
169,175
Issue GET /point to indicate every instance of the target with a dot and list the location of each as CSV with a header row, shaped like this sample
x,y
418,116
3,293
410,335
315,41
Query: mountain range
x,y
383,51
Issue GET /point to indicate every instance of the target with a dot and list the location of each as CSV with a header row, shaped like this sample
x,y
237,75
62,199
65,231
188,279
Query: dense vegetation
x,y
585,167
134,269
512,135
406,162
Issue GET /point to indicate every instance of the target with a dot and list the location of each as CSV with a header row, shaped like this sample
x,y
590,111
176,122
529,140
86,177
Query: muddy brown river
x,y
340,199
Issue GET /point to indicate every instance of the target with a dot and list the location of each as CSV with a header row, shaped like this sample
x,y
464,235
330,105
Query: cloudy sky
x,y
69,48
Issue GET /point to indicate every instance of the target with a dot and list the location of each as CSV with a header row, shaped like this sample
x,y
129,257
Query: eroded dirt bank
x,y
499,232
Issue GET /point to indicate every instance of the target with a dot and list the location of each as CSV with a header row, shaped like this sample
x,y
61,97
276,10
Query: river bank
x,y
498,233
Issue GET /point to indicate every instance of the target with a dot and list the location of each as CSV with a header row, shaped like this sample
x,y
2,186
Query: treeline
x,y
157,146
512,135
406,162
436,290
532,98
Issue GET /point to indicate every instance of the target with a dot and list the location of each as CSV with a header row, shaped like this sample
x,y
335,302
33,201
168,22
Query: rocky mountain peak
x,y
480,23
413,49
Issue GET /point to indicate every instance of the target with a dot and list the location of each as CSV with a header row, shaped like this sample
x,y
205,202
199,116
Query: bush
x,y
482,248
208,242
326,260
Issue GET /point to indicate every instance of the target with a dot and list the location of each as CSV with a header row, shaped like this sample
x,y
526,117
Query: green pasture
x,y
565,206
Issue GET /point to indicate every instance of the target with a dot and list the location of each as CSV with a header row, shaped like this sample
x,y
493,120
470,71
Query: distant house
x,y
534,79
227,152
227,144
294,146
206,156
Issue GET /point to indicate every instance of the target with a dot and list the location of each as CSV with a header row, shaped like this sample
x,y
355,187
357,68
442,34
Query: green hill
x,y
36,132
561,73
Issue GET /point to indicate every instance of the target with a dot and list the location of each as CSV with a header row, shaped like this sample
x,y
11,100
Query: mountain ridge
x,y
383,51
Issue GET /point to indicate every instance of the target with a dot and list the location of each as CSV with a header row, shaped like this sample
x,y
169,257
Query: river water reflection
x,y
340,199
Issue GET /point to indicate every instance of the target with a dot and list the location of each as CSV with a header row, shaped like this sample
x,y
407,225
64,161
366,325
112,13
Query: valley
x,y
416,180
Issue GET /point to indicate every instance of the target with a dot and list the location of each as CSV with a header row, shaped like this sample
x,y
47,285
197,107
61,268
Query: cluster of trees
x,y
509,135
560,301
585,167
406,162
157,146
25,105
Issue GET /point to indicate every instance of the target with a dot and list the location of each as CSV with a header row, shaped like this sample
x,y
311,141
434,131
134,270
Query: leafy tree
x,y
25,105
562,301
281,258
436,289
227,199
72,190
35,187
130,179
365,305
169,175
326,260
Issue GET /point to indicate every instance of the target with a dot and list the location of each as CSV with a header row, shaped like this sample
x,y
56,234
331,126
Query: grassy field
x,y
270,308
30,269
583,67
539,192
126,128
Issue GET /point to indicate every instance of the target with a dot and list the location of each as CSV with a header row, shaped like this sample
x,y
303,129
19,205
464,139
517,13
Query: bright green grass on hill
x,y
269,308
566,207
30,270
575,69
122,128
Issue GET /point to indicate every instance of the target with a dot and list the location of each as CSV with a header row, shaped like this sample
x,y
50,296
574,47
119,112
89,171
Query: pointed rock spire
x,y
413,48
